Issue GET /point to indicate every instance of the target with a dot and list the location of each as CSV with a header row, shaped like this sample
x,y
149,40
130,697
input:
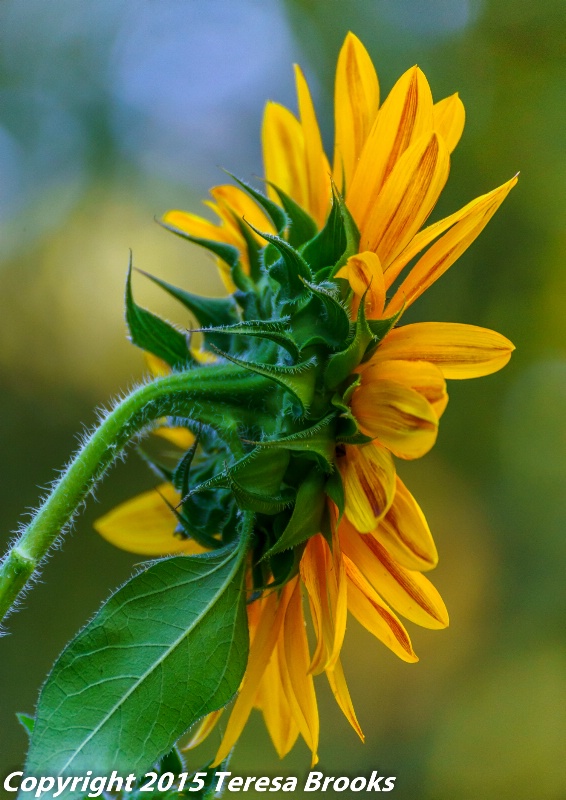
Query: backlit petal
x,y
398,417
339,687
367,607
460,351
146,525
356,100
284,153
317,167
405,116
407,198
368,473
449,117
405,534
271,699
407,591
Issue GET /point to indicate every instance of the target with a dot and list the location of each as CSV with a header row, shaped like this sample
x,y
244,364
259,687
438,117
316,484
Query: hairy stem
x,y
199,394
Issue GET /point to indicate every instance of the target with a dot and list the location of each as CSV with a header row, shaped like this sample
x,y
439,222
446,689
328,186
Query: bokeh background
x,y
113,111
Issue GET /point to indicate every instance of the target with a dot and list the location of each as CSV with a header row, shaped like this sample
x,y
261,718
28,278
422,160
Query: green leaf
x,y
153,334
26,721
226,252
306,516
208,311
135,679
302,226
273,211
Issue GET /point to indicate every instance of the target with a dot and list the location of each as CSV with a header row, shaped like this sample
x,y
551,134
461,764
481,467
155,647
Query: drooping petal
x,y
407,591
271,700
365,604
405,116
476,208
284,153
449,117
368,473
398,417
294,662
317,167
146,525
422,376
322,573
272,613
203,729
442,254
337,681
365,276
460,351
408,196
405,534
356,100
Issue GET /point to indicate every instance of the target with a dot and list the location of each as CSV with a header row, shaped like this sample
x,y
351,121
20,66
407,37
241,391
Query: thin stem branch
x,y
184,394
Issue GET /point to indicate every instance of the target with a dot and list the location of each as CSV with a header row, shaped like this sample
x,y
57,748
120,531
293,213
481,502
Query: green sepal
x,y
159,470
153,334
284,566
379,328
133,667
188,530
226,252
336,314
180,477
273,211
289,269
341,364
318,441
273,330
249,500
260,471
306,516
252,247
335,242
347,427
26,721
334,488
298,379
208,311
302,226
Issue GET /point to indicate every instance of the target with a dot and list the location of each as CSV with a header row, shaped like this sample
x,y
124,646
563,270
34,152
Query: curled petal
x,y
146,525
368,473
405,534
449,117
421,376
369,609
398,417
407,591
460,351
407,198
405,116
365,276
356,100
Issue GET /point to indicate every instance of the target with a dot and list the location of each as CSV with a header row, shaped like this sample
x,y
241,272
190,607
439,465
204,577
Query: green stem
x,y
197,394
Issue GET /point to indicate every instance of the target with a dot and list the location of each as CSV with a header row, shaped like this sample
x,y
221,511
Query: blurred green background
x,y
113,111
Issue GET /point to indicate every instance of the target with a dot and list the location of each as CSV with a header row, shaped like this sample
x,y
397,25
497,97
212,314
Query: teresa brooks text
x,y
95,785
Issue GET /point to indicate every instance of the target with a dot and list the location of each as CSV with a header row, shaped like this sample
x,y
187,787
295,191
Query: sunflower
x,y
325,265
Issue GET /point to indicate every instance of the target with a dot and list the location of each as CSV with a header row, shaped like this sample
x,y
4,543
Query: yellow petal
x,y
156,366
422,239
405,116
199,227
356,100
364,273
339,687
279,720
269,626
284,153
422,376
181,437
407,591
368,473
460,351
407,198
146,525
294,661
405,534
398,417
203,729
322,573
449,117
317,167
442,254
244,207
367,607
